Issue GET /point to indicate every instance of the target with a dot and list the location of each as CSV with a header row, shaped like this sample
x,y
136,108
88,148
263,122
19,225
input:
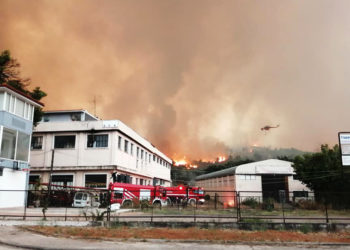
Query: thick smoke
x,y
194,77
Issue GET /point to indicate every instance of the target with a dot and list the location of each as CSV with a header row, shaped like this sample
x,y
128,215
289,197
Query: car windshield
x,y
78,196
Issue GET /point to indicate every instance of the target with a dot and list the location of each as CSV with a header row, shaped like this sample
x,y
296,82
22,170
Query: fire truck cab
x,y
188,194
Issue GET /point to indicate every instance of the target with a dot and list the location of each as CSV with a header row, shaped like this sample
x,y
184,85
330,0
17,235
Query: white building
x,y
87,150
262,179
16,122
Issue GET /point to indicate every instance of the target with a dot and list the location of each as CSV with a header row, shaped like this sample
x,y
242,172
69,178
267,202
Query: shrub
x,y
307,204
144,204
268,204
251,202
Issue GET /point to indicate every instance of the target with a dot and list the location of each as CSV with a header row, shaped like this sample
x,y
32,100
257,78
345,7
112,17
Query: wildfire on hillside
x,y
188,164
221,159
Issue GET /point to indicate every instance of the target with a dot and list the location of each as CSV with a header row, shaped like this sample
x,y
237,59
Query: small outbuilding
x,y
261,180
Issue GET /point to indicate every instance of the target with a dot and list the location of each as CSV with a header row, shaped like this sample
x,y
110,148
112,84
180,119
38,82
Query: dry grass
x,y
190,234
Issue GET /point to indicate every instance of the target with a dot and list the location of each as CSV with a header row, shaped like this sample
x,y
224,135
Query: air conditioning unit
x,y
75,117
15,165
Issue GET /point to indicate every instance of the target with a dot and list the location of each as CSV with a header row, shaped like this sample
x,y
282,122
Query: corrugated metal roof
x,y
220,173
259,167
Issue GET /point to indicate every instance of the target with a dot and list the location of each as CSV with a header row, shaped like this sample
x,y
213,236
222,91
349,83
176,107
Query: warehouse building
x,y
261,180
84,150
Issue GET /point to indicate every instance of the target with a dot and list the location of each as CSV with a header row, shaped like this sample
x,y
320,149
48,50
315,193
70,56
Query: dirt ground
x,y
190,234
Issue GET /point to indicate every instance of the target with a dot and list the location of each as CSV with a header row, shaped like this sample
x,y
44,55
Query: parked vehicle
x,y
127,194
86,199
185,194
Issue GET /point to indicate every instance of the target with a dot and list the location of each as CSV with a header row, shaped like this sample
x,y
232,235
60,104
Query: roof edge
x,y
4,85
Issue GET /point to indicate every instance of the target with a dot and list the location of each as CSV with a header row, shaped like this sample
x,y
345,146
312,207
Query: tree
x,y
10,74
324,173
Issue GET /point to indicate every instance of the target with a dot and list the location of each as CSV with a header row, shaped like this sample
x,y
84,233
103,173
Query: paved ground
x,y
14,238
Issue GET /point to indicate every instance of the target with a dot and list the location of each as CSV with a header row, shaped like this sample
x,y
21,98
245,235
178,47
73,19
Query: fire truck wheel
x,y
127,204
157,204
192,203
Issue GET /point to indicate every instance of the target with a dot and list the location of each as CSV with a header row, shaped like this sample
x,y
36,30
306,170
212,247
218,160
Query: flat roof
x,y
21,93
62,111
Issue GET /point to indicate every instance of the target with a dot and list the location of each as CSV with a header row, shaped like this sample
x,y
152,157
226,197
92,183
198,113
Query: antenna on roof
x,y
94,105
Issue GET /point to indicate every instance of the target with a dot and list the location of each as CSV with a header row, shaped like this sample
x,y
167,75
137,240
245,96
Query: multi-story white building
x,y
87,150
16,122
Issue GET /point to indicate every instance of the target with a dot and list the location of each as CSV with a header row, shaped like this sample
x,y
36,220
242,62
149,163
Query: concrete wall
x,y
12,180
82,156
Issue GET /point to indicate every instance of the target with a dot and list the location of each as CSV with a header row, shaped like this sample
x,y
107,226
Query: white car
x,y
85,199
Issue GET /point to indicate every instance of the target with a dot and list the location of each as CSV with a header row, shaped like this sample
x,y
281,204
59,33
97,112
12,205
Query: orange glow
x,y
231,203
221,158
182,162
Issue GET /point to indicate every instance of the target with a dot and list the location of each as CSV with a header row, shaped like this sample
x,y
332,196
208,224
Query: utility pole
x,y
51,170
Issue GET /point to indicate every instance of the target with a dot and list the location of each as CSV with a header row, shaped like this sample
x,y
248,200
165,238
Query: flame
x,y
182,162
221,158
231,203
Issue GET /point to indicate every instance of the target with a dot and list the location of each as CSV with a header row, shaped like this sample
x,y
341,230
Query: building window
x,y
19,108
123,178
65,141
95,180
141,153
154,158
8,144
149,158
247,177
97,141
34,180
126,145
62,180
1,171
119,142
37,142
131,149
141,181
22,147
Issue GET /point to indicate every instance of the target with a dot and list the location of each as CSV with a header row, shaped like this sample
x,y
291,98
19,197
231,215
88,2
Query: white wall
x,y
296,185
12,180
247,185
82,156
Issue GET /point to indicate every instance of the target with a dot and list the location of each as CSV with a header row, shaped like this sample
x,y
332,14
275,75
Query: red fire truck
x,y
180,194
126,194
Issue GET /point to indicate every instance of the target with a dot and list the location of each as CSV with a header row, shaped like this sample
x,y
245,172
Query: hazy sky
x,y
193,77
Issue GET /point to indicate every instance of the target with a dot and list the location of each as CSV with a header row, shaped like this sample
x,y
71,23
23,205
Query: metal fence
x,y
220,206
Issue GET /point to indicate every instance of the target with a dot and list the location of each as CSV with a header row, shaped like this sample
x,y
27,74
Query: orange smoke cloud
x,y
194,77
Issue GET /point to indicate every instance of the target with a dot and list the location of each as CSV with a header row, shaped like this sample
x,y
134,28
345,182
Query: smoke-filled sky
x,y
196,78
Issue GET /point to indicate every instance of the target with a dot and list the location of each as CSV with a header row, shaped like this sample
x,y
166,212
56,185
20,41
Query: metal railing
x,y
219,206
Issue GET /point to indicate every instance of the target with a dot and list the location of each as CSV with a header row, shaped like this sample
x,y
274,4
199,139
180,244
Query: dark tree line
x,y
323,173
